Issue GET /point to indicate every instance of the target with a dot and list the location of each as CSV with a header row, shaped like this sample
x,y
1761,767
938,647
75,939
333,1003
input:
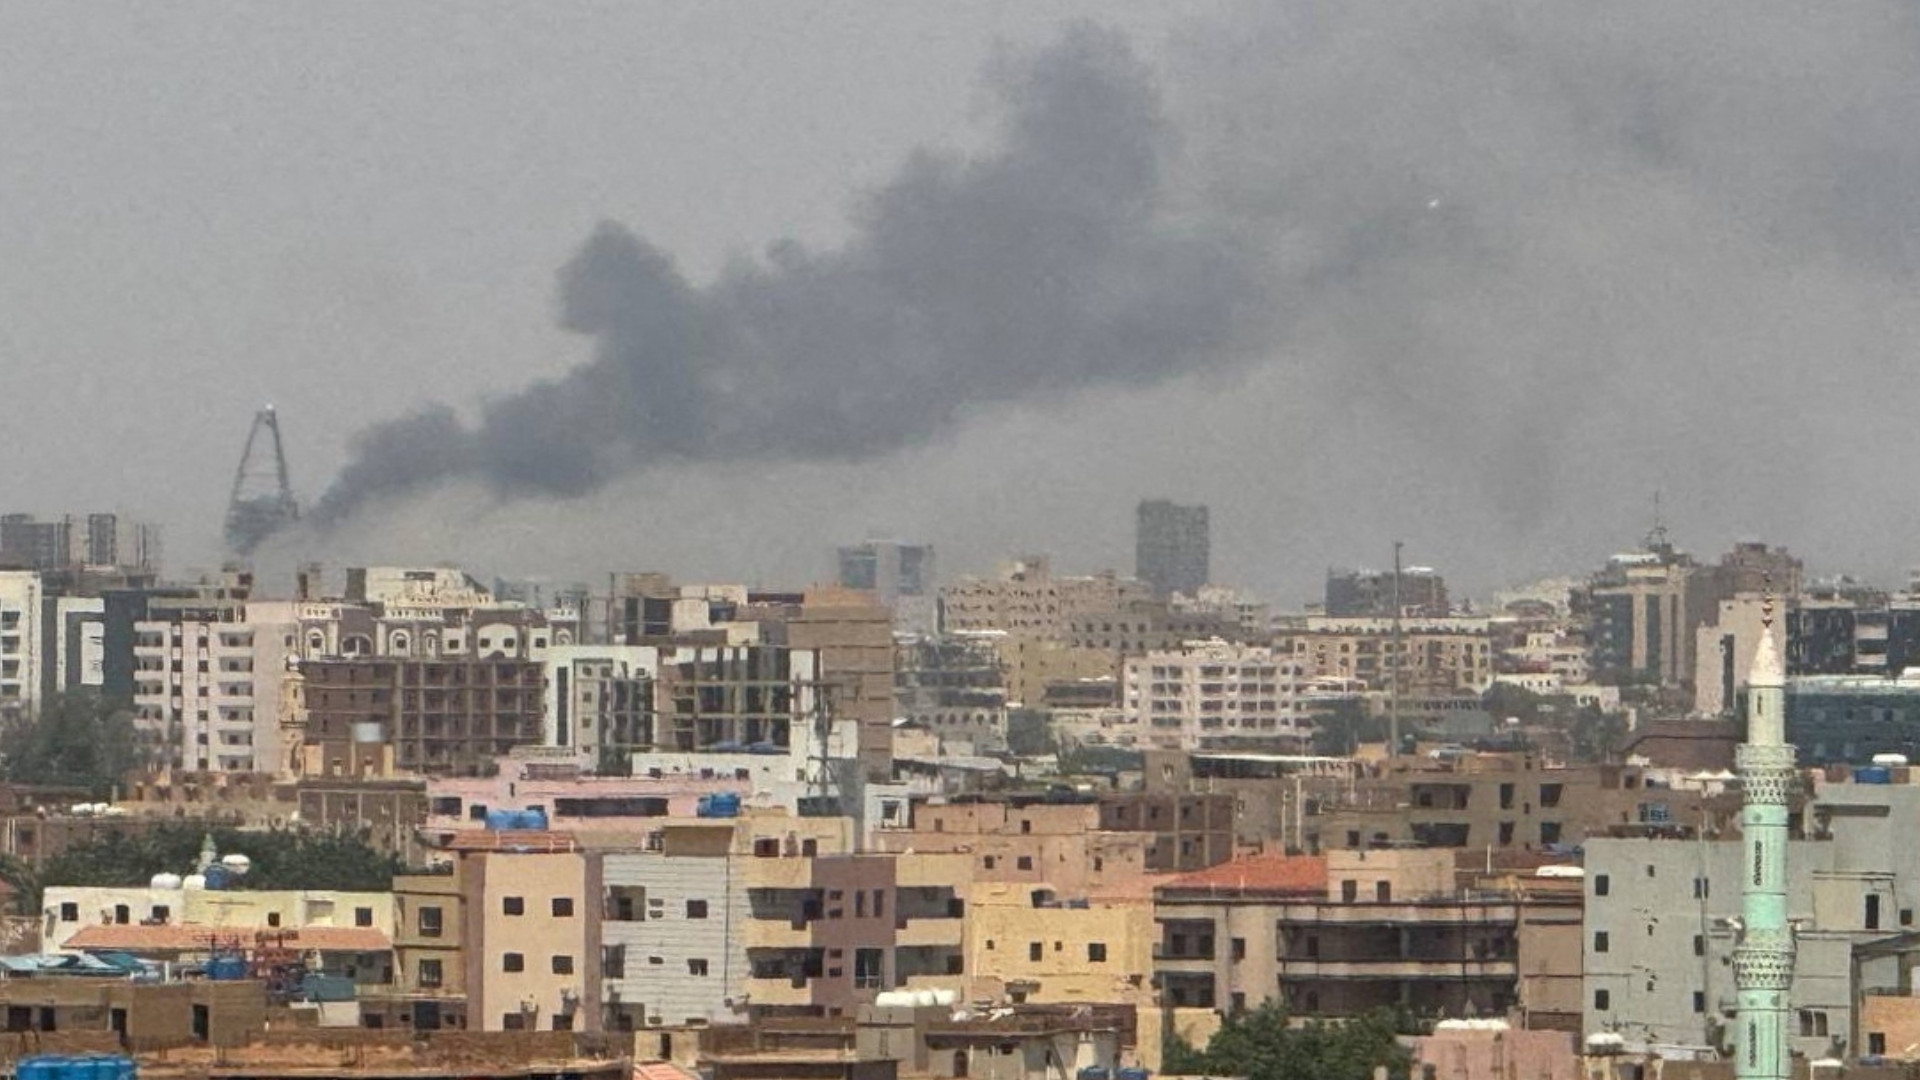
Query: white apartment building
x,y
20,598
1213,690
600,697
207,682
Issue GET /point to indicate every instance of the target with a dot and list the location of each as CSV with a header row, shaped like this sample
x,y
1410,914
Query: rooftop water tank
x,y
194,881
237,863
501,820
164,881
533,819
1891,761
1872,774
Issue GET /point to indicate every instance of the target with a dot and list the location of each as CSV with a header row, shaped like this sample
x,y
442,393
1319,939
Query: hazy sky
x,y
1516,270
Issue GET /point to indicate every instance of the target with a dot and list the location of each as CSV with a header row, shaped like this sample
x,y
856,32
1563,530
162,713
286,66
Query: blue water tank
x,y
723,804
1094,1072
1872,774
102,1067
125,1068
501,820
1133,1074
227,968
218,877
533,819
34,1068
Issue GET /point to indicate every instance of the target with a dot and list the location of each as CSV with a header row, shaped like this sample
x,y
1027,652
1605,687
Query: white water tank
x,y
194,881
236,862
894,999
165,881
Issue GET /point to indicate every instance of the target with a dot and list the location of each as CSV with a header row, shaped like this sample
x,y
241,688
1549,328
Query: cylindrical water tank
x,y
164,881
217,877
943,996
1872,774
501,820
236,863
33,1068
194,881
533,819
894,999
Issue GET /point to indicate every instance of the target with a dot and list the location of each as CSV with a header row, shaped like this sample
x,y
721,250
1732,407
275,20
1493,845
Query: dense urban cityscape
x,y
902,821
1038,540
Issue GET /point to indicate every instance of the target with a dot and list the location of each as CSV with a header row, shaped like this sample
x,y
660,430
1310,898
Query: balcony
x,y
1414,912
916,933
1398,968
779,934
780,873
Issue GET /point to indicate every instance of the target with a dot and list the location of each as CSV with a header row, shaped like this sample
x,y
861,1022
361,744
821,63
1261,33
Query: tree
x,y
1265,1045
78,739
282,858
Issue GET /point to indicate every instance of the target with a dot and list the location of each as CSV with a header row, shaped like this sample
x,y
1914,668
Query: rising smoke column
x,y
1045,266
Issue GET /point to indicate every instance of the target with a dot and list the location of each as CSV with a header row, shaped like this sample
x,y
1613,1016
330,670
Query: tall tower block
x,y
1764,956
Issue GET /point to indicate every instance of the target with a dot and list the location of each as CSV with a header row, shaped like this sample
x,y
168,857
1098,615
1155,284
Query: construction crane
x,y
262,502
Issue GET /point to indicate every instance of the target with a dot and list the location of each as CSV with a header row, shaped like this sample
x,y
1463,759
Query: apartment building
x,y
1442,656
532,932
429,987
673,945
1214,691
1051,951
600,699
1025,597
1346,933
955,688
209,673
439,715
1513,800
20,646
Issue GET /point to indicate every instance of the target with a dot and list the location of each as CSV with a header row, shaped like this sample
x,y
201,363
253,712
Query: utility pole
x,y
1393,668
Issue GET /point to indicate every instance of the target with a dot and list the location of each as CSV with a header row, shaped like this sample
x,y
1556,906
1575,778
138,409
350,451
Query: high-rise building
x,y
1370,593
901,575
1171,546
97,541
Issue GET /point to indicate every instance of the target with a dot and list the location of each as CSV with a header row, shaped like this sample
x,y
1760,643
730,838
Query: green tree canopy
x,y
282,858
77,738
1265,1045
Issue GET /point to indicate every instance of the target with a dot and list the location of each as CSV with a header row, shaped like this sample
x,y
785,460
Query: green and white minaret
x,y
1763,958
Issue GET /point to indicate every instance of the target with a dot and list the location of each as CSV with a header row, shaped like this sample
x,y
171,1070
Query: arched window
x,y
400,643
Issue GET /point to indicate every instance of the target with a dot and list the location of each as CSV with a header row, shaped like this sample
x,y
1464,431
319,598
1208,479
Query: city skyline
x,y
1436,374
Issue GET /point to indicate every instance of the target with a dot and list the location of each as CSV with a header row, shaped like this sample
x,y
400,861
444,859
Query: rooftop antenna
x,y
1657,536
261,502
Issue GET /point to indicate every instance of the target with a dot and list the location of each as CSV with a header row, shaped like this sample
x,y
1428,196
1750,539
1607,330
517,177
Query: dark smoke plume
x,y
1047,265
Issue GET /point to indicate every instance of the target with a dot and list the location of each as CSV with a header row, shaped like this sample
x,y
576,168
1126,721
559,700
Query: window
x,y
1239,948
429,919
1702,888
1602,1000
273,918
162,912
1600,884
563,907
430,973
363,916
868,968
513,905
1877,1043
1813,1023
696,967
563,965
1096,952
69,912
512,961
1699,945
1025,862
513,1021
1035,951
1699,1001
696,909
1600,941
1349,890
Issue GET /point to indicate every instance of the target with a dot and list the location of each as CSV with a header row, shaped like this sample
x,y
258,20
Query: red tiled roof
x,y
1296,874
135,938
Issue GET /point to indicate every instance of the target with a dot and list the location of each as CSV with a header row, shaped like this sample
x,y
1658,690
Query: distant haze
x,y
1478,276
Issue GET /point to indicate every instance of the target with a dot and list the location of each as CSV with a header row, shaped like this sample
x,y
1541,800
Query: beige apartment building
x,y
1442,656
1210,691
532,919
1095,950
1026,598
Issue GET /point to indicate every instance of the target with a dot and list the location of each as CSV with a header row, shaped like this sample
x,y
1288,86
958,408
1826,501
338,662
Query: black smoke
x,y
1050,264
